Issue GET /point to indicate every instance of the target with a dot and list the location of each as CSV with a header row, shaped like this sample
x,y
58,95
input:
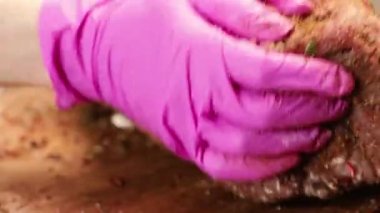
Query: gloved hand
x,y
185,71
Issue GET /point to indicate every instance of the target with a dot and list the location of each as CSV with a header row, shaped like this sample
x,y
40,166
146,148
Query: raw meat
x,y
348,32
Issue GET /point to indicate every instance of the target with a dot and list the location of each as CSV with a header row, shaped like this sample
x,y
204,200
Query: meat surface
x,y
347,32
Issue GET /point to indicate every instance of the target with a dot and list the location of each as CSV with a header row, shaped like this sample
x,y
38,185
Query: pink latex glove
x,y
185,71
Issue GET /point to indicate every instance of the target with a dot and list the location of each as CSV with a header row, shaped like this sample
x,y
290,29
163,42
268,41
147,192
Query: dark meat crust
x,y
348,32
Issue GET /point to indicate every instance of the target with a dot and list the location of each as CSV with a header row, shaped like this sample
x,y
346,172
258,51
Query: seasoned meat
x,y
347,32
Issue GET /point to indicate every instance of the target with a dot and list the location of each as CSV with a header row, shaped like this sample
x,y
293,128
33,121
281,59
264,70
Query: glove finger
x,y
227,138
257,69
245,18
221,166
267,111
292,7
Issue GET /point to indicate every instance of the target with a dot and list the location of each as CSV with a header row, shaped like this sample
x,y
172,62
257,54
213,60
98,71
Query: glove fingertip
x,y
348,83
321,141
272,29
299,9
294,7
339,81
226,167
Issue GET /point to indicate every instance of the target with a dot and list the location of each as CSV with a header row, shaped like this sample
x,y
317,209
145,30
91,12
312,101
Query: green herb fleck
x,y
311,48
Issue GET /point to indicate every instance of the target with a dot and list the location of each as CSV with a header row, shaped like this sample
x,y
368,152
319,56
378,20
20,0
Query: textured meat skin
x,y
348,32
